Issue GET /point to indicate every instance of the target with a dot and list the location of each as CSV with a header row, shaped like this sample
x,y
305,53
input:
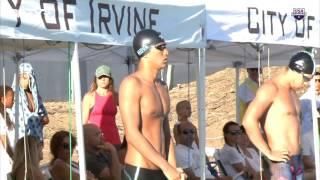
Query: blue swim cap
x,y
302,62
144,40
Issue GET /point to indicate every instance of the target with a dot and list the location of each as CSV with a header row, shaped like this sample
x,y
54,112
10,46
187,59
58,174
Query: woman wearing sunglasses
x,y
62,149
232,161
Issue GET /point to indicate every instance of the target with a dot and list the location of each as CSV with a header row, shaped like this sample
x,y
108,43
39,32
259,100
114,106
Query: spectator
x,y
233,162
60,148
248,89
183,109
101,157
32,113
32,154
188,155
100,105
6,131
305,104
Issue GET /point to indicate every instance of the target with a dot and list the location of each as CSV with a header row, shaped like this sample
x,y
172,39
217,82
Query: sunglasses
x,y
306,78
186,132
161,47
317,80
235,133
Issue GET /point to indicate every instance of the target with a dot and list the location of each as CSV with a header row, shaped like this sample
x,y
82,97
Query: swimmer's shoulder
x,y
270,86
130,83
132,79
267,92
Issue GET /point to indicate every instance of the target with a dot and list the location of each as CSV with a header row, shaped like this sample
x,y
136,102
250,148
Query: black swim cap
x,y
144,40
302,62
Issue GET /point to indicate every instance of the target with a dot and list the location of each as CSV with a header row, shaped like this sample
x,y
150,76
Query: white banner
x,y
103,22
289,22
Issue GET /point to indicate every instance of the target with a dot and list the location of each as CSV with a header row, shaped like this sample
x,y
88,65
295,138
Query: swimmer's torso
x,y
154,108
282,125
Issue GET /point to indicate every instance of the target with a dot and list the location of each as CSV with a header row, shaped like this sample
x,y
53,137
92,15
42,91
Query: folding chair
x,y
216,156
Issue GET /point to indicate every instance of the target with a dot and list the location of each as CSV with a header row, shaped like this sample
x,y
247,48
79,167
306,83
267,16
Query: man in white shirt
x,y
187,152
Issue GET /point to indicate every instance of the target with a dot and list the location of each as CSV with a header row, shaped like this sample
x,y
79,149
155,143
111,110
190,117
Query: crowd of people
x,y
270,115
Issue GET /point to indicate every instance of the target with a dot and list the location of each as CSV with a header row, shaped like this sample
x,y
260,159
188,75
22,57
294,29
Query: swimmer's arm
x,y
254,114
171,153
129,104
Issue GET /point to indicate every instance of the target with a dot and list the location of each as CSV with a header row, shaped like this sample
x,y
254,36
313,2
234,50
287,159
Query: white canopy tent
x,y
113,22
51,63
267,22
221,26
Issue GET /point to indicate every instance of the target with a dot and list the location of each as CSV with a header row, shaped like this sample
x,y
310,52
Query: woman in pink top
x,y
100,105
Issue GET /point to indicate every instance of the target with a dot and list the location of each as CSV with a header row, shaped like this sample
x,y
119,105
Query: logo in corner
x,y
298,13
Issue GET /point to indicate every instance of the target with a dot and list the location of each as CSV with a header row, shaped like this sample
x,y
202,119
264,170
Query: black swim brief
x,y
130,172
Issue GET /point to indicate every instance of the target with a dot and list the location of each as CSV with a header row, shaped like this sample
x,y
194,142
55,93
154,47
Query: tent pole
x,y
130,62
169,74
315,130
201,109
16,89
77,97
259,67
237,65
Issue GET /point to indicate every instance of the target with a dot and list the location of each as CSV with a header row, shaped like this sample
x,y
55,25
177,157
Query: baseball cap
x,y
103,70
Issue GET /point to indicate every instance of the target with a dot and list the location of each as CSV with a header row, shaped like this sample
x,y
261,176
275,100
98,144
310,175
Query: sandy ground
x,y
220,108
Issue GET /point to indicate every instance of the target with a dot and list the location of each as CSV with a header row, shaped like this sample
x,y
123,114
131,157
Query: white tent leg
x,y
315,130
201,109
131,65
237,65
169,76
77,97
16,106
